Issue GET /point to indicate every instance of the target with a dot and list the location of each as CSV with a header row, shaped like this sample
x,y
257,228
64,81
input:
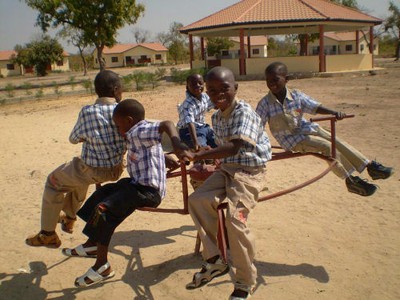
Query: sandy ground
x,y
317,243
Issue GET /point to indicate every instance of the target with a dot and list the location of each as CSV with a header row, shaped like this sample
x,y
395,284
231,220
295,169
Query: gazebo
x,y
280,17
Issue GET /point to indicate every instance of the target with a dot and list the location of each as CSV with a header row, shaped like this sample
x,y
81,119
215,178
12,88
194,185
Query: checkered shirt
x,y
102,146
192,110
146,162
294,106
243,123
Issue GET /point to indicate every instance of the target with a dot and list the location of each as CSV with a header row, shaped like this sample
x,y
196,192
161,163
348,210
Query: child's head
x,y
195,85
221,87
108,84
276,77
127,114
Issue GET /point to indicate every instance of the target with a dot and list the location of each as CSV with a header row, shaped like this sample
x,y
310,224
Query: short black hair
x,y
276,67
220,72
130,108
105,82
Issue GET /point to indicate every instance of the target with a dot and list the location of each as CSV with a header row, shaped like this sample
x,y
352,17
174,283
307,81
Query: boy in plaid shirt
x,y
283,110
100,161
243,149
145,187
193,129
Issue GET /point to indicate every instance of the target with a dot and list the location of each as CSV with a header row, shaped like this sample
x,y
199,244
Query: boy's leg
x,y
242,193
185,137
203,204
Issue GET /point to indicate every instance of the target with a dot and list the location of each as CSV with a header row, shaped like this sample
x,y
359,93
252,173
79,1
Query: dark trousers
x,y
111,204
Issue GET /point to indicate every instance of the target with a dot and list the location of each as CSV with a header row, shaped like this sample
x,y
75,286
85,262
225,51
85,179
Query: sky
x,y
17,20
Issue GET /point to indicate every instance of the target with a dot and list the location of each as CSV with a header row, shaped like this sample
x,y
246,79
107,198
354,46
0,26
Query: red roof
x,y
6,55
254,40
121,48
344,36
279,11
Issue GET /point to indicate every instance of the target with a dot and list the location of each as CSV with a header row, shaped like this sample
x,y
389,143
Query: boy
x,y
101,160
112,203
283,109
243,149
193,130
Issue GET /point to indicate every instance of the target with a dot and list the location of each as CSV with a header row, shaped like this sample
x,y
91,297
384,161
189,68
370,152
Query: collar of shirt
x,y
136,125
272,98
105,101
227,112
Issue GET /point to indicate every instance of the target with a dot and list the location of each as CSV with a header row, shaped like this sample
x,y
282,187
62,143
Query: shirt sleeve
x,y
76,134
245,126
186,114
262,110
149,135
308,104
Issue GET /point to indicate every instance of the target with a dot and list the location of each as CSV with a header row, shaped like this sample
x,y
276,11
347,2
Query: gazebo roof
x,y
270,17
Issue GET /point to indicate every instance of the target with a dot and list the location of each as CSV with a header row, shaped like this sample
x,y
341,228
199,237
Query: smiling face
x,y
195,85
221,87
276,79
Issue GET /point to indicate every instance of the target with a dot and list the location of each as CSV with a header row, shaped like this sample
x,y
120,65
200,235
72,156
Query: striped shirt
x,y
102,146
241,122
286,121
192,110
146,162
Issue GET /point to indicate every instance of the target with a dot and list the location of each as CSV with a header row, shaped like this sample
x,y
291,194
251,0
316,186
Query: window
x,y
349,47
60,63
256,51
158,56
362,47
96,60
114,59
10,67
225,53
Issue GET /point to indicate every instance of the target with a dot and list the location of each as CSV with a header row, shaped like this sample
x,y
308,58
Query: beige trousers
x,y
349,159
66,189
238,186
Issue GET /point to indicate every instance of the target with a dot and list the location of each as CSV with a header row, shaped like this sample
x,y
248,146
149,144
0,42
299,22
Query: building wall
x,y
349,62
333,47
61,67
234,51
5,72
135,57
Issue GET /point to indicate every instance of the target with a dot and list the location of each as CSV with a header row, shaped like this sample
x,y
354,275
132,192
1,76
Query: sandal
x,y
67,223
207,273
94,276
80,251
40,239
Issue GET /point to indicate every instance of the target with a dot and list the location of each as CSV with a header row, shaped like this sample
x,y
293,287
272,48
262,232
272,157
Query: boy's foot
x,y
207,273
359,186
239,294
44,239
378,171
67,223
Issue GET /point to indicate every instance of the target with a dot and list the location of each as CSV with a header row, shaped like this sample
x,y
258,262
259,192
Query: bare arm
x,y
169,128
228,149
327,111
193,134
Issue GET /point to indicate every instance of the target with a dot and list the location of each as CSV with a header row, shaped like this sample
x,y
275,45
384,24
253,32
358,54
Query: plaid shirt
x,y
290,113
192,110
102,145
241,122
146,162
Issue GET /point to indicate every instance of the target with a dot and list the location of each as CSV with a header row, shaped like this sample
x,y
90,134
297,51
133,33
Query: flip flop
x,y
94,276
80,251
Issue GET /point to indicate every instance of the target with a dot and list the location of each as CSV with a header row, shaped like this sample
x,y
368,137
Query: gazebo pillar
x,y
322,67
306,44
371,43
357,42
248,47
202,48
191,50
242,59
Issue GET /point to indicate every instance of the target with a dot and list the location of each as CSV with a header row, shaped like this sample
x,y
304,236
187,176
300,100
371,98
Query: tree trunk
x,y
303,44
397,50
100,58
83,61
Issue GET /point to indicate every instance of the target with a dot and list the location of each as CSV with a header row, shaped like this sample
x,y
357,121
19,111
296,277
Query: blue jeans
x,y
205,136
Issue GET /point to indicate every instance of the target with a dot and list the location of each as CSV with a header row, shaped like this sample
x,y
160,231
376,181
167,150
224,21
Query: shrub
x,y
88,86
10,88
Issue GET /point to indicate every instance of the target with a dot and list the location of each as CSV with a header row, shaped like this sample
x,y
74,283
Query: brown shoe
x,y
67,223
40,239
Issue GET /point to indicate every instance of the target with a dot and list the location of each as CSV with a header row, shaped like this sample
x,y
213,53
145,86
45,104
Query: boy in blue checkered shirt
x,y
100,161
283,110
111,204
243,149
193,129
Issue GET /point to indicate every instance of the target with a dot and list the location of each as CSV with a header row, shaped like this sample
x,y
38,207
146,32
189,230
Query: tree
x,y
98,21
75,37
215,45
39,54
392,23
141,35
175,41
